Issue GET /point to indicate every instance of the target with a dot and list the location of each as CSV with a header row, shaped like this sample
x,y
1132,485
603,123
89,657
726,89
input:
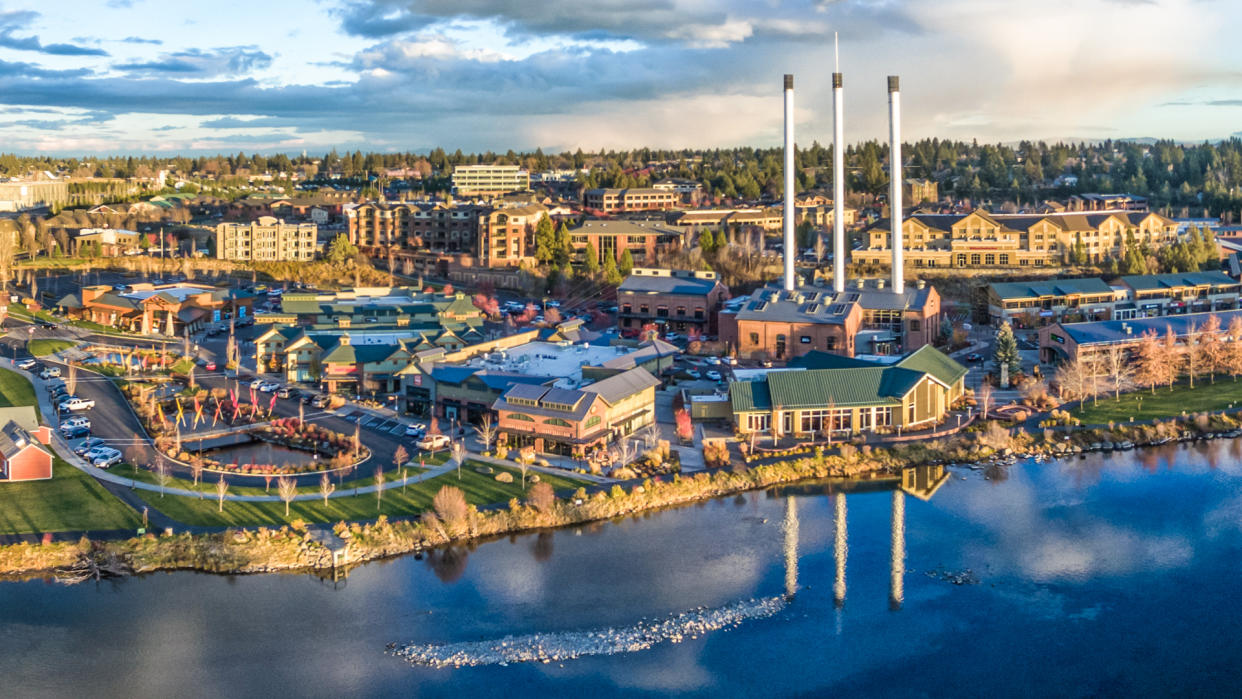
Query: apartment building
x,y
819,210
769,219
489,180
267,240
982,239
506,236
496,237
634,199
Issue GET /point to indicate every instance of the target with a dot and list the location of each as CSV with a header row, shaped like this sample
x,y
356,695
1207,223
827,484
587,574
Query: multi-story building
x,y
1032,304
111,241
866,318
506,238
377,308
489,180
493,237
916,191
1106,202
1075,341
612,237
982,239
20,195
769,219
672,299
825,394
633,199
690,191
575,422
267,240
819,210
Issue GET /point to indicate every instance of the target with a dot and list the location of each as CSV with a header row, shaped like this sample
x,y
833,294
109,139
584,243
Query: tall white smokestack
x,y
894,172
838,184
791,251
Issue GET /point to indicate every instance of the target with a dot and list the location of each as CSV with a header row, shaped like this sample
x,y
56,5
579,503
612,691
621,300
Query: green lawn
x,y
208,483
71,501
42,348
480,489
15,390
1142,405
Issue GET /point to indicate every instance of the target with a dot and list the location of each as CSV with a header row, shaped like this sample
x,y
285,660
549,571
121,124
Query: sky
x,y
137,76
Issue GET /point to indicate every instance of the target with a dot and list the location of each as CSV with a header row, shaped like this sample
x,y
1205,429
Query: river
x,y
1110,574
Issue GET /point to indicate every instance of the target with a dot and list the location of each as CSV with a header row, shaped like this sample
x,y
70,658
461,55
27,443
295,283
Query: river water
x,y
1110,574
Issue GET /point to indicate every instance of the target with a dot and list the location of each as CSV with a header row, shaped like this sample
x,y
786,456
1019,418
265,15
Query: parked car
x,y
673,337
75,404
74,432
76,421
49,372
286,392
108,458
974,357
713,375
268,386
60,395
28,363
418,429
694,373
45,323
54,386
94,452
87,444
433,442
714,361
319,401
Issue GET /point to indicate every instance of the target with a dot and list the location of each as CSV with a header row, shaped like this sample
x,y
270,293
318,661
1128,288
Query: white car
x,y
433,442
694,373
713,375
418,429
75,404
49,372
106,457
714,361
75,422
27,363
267,387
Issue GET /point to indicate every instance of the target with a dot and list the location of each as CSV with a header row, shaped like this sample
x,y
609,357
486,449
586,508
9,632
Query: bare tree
x,y
1120,370
1233,347
1172,356
196,471
400,457
459,455
985,400
71,378
8,248
222,489
288,489
1192,352
161,473
1075,380
486,430
326,488
379,488
1212,346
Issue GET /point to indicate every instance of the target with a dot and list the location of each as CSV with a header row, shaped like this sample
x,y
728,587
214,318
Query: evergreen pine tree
x,y
545,241
946,329
563,249
1007,349
592,259
611,274
627,263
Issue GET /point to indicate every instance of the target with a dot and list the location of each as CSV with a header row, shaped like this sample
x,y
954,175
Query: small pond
x,y
259,453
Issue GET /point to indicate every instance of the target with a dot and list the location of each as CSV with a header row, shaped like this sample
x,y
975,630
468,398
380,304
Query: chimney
x,y
894,176
838,185
791,251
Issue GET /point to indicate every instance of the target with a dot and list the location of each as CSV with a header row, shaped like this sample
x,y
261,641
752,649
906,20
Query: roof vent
x,y
879,283
860,283
920,284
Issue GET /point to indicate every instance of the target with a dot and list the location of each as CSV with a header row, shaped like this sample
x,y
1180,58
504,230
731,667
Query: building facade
x,y
981,239
612,238
489,180
1062,342
674,299
866,318
1035,304
575,422
170,309
267,240
609,200
849,397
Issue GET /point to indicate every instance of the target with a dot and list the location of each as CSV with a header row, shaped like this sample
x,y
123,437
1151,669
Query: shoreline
x,y
295,548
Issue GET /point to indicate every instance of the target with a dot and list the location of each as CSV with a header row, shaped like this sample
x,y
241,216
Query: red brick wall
x,y
30,464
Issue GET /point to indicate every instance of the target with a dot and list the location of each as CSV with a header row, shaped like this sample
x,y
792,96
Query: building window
x,y
698,314
831,344
915,325
626,308
754,338
910,415
592,421
805,339
644,309
556,422
961,260
974,259
989,259
1004,258
780,346
884,417
681,311
662,311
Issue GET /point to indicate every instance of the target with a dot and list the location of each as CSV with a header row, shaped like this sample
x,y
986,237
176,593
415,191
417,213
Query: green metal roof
x,y
817,388
1174,280
749,396
932,361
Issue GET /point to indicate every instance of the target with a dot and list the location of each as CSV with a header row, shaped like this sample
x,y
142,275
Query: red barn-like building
x,y
24,457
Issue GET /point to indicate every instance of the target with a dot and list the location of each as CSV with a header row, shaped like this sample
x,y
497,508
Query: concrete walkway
x,y
550,470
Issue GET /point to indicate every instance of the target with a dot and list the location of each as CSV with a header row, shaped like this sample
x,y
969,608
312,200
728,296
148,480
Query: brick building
x,y
634,199
675,299
611,237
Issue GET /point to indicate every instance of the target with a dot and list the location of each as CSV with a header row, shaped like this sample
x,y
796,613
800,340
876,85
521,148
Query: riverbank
x,y
294,547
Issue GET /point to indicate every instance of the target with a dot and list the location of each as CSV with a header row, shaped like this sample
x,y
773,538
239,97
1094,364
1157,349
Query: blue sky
x,y
137,76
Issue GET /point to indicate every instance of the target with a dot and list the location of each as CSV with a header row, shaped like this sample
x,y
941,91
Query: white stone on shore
x,y
551,647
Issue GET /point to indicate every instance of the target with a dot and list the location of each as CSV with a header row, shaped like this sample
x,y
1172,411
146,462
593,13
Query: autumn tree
x,y
1212,346
450,507
222,490
1192,351
1074,380
1150,361
1173,356
1233,348
379,488
326,488
1119,369
541,497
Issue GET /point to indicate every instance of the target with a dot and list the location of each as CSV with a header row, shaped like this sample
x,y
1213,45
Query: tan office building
x,y
267,240
489,180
